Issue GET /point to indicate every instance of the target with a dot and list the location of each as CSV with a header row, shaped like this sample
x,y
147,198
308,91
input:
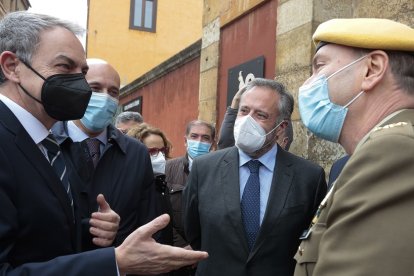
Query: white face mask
x,y
158,163
249,135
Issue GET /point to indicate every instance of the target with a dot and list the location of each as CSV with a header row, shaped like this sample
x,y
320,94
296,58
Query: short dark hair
x,y
402,67
202,123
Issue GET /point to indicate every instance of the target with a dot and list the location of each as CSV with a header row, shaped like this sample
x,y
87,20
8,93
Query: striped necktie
x,y
56,161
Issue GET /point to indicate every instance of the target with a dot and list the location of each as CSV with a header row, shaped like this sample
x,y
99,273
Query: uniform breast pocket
x,y
307,254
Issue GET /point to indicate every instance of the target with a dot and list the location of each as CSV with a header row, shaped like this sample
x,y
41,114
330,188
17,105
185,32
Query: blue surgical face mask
x,y
322,117
197,148
100,111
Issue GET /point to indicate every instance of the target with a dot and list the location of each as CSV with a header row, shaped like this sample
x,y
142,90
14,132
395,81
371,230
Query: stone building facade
x,y
296,21
235,31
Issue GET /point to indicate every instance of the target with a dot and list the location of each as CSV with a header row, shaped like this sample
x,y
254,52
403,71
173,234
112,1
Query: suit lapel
x,y
229,171
281,182
33,154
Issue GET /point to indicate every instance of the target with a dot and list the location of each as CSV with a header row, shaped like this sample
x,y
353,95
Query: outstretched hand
x,y
141,254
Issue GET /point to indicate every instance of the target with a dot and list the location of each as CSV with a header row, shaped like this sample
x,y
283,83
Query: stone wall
x,y
216,15
297,20
209,62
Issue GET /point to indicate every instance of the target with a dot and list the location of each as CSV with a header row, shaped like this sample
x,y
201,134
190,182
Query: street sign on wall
x,y
134,105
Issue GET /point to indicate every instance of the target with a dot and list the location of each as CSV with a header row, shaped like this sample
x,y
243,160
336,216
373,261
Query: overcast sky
x,y
73,10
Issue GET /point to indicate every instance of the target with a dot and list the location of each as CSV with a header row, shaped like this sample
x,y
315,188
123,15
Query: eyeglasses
x,y
155,151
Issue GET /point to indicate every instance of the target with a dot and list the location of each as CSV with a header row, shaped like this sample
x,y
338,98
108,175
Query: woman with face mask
x,y
159,149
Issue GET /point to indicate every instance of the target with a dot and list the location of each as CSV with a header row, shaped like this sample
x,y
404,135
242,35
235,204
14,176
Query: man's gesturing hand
x,y
104,223
141,254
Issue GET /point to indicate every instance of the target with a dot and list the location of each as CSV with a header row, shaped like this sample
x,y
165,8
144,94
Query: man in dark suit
x,y
43,66
198,140
336,169
226,137
197,133
107,162
249,219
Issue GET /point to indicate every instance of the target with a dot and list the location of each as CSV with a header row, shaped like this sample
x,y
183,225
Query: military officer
x,y
361,94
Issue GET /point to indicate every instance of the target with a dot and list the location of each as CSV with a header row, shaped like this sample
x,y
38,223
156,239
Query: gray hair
x,y
20,33
128,116
286,99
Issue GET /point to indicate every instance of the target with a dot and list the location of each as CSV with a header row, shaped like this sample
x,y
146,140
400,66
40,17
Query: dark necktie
x,y
250,203
94,149
56,161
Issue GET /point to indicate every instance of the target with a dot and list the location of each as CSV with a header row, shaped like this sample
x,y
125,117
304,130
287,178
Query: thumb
x,y
152,227
103,206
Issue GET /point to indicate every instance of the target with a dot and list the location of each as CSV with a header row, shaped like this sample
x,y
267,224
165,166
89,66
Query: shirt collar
x,y
190,162
268,159
36,130
78,135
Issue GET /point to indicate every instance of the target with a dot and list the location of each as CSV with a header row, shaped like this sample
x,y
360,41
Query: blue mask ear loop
x,y
354,99
343,68
346,66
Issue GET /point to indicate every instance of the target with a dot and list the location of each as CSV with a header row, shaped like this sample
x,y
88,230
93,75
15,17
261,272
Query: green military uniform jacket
x,y
366,225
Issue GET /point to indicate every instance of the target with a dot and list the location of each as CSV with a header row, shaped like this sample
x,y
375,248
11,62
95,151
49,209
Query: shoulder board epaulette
x,y
390,126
